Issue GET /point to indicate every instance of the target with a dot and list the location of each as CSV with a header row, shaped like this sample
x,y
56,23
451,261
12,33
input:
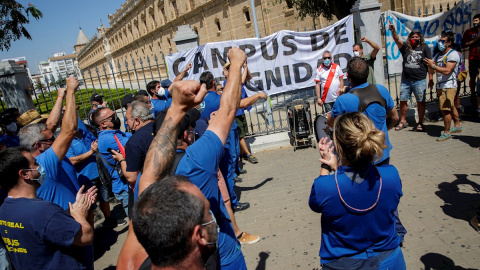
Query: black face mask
x,y
116,122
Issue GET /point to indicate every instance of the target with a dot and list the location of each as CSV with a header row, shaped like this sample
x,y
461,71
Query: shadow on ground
x,y
238,190
262,263
107,237
458,204
435,261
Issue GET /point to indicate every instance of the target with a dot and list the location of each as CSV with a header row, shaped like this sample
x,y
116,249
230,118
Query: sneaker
x,y
246,238
444,136
112,222
238,179
252,159
242,171
241,207
475,223
456,130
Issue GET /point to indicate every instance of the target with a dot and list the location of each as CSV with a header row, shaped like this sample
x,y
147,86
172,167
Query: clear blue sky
x,y
57,31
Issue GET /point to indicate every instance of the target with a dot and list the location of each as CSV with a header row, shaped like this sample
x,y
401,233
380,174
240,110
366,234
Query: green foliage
x,y
13,18
44,103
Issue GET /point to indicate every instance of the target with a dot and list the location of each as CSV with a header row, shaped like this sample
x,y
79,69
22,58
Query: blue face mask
x,y
43,174
441,46
327,62
218,229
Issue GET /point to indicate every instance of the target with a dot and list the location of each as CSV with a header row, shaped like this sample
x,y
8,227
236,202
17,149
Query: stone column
x,y
366,20
14,84
185,38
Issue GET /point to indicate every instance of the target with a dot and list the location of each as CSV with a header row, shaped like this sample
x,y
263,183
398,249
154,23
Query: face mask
x,y
441,46
475,25
43,174
12,127
327,62
414,42
161,92
202,107
356,53
116,122
218,229
99,106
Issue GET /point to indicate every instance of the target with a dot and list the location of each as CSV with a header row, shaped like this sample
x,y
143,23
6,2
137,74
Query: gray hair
x,y
31,134
141,110
326,52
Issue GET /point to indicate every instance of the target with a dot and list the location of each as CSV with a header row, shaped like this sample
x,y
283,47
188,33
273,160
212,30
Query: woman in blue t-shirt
x,y
358,201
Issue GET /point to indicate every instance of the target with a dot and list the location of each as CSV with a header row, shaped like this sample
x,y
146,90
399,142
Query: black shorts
x,y
473,67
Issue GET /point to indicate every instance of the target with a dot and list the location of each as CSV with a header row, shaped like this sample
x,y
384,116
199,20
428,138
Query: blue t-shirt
x,y
347,232
212,103
200,165
107,140
9,141
87,136
87,170
240,111
137,147
39,235
61,185
160,104
348,102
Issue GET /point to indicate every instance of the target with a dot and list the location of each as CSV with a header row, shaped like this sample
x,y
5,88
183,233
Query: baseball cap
x,y
128,98
165,83
96,97
190,119
142,93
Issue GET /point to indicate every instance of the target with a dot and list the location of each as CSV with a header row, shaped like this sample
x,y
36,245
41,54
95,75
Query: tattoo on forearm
x,y
161,152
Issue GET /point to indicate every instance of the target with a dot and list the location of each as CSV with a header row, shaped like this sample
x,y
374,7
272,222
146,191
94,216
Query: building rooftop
x,y
82,39
62,57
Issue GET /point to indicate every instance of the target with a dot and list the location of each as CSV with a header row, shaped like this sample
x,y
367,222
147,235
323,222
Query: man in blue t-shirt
x,y
97,102
110,137
39,234
61,183
384,118
200,161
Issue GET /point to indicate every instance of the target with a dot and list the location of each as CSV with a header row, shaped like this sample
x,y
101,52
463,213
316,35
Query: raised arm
x,y
53,120
395,35
374,45
182,74
69,128
249,101
246,76
230,97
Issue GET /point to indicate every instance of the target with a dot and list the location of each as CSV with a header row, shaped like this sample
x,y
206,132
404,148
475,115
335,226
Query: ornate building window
x,y
174,3
217,22
162,10
192,4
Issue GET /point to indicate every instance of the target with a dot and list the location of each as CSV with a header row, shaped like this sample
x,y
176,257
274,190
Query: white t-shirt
x,y
322,76
449,80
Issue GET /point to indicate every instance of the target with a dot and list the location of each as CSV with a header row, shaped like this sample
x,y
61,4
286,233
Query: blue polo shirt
x,y
346,232
212,103
87,170
10,141
107,140
200,164
348,102
160,104
61,184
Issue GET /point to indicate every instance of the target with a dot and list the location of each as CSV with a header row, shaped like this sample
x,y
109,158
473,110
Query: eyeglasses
x,y
327,57
49,140
111,116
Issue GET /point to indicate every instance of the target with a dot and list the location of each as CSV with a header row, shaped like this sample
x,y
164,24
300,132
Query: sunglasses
x,y
49,140
327,57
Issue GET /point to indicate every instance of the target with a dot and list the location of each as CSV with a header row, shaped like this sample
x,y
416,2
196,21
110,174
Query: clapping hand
x,y
326,152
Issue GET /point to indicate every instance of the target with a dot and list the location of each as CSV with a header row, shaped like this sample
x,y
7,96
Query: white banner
x,y
278,63
457,18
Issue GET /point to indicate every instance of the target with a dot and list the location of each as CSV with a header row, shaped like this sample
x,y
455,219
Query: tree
x,y
317,8
13,18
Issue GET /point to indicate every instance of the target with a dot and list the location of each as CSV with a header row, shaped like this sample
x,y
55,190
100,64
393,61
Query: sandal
x,y
401,126
419,128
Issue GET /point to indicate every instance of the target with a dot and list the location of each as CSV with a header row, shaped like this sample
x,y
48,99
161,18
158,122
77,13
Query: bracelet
x,y
121,161
59,97
326,167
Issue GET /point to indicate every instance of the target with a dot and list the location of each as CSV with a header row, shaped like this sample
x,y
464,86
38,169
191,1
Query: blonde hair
x,y
356,140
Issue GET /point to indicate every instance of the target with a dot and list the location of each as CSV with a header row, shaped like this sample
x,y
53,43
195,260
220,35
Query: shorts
x,y
419,89
242,125
123,197
473,67
102,190
446,98
223,186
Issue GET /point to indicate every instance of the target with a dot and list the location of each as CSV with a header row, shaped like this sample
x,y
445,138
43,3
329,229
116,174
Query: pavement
x,y
441,185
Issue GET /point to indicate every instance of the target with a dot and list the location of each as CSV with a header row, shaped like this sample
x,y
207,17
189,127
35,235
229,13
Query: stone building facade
x,y
146,28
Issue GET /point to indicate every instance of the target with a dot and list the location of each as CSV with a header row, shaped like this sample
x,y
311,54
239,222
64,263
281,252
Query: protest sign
x,y
278,63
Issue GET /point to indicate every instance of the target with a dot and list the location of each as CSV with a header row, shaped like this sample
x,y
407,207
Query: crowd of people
x,y
174,165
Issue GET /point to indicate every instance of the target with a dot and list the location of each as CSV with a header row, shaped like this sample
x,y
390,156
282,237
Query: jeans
x,y
419,89
123,197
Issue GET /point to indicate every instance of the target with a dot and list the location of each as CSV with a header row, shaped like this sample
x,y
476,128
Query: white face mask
x,y
161,92
356,53
12,127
